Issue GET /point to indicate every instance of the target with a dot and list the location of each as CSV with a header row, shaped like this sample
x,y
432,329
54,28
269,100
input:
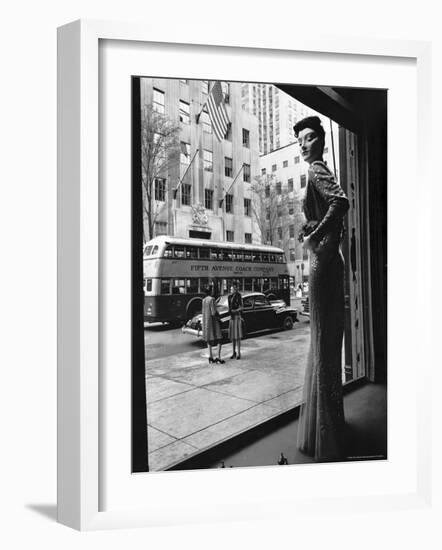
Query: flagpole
x,y
175,191
231,185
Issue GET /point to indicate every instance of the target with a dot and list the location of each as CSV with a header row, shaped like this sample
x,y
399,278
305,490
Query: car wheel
x,y
287,323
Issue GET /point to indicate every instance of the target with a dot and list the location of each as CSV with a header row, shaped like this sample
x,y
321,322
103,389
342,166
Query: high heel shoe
x,y
238,356
211,360
233,356
219,360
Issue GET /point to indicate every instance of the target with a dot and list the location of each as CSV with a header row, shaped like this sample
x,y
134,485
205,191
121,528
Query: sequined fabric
x,y
321,421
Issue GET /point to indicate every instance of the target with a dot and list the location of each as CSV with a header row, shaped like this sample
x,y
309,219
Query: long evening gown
x,y
321,421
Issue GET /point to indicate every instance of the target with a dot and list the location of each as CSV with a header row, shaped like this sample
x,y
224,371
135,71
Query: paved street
x,y
192,405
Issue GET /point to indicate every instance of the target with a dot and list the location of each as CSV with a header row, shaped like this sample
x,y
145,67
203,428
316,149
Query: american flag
x,y
217,111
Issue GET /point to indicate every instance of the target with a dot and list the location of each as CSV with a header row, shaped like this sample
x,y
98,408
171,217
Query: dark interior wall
x,y
364,112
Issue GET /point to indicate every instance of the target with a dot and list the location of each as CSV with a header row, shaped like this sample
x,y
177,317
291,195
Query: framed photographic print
x,y
231,277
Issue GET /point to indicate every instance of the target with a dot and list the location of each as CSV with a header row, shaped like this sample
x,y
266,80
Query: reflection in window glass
x,y
204,253
178,286
165,286
192,286
179,251
191,252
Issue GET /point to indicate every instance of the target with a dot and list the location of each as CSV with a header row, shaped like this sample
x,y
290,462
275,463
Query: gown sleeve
x,y
326,185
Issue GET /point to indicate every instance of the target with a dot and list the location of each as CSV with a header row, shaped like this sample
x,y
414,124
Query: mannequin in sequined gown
x,y
321,420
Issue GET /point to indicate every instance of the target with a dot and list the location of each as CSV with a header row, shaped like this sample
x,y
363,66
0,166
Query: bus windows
x,y
248,256
264,257
280,258
237,256
154,250
179,252
272,258
229,255
248,284
274,283
214,254
165,286
147,251
192,286
204,283
265,284
178,286
256,256
168,252
191,252
147,285
204,253
224,255
283,283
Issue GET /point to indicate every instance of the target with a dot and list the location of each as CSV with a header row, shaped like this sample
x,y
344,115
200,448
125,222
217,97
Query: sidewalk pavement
x,y
192,406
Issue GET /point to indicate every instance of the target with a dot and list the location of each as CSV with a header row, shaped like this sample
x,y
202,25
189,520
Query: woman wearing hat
x,y
235,325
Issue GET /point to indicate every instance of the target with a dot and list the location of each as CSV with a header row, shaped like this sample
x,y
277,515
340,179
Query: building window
x,y
267,191
186,192
205,86
246,173
290,185
304,254
292,255
229,203
278,187
185,153
245,138
228,167
248,238
263,171
274,167
160,228
160,189
183,81
158,101
225,86
230,236
303,180
247,207
292,231
208,161
184,112
280,233
207,125
291,208
228,135
296,160
285,164
208,199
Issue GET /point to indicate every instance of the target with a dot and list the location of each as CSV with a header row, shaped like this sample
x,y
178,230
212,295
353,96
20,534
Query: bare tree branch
x,y
160,150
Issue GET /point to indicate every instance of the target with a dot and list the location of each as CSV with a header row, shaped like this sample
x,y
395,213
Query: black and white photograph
x,y
260,244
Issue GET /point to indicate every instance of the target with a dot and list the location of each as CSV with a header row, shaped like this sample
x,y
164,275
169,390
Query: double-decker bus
x,y
177,271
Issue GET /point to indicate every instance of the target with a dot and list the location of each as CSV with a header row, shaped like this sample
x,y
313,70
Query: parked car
x,y
259,314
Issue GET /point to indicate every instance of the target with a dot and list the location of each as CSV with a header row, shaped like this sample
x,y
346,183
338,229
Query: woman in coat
x,y
235,325
211,326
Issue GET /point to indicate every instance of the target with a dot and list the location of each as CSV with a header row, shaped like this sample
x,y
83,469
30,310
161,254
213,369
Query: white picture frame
x,y
79,294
